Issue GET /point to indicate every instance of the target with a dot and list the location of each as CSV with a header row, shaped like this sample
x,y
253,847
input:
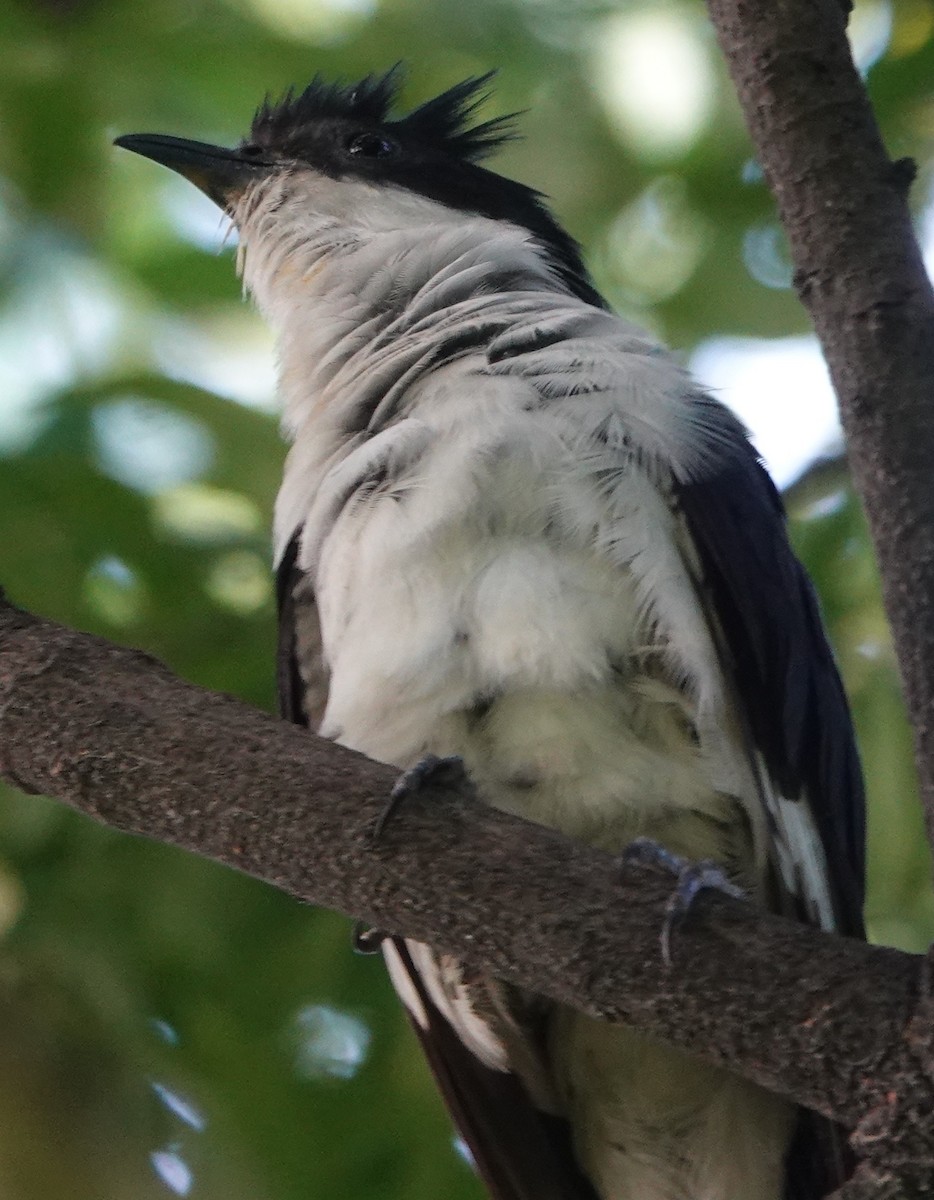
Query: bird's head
x,y
332,163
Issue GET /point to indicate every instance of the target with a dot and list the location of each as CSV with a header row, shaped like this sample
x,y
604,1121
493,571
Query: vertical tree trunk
x,y
859,272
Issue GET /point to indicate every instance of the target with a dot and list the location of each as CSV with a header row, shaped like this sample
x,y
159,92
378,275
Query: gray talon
x,y
365,939
691,878
428,770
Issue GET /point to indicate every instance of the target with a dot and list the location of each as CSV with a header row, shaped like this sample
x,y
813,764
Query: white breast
x,y
480,594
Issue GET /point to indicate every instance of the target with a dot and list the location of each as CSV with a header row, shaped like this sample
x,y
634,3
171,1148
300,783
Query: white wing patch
x,y
799,854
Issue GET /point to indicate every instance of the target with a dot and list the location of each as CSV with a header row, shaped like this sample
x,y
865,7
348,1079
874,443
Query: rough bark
x,y
843,204
834,1024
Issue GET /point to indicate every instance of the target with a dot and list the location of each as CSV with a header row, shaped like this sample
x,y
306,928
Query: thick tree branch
x,y
829,1022
859,271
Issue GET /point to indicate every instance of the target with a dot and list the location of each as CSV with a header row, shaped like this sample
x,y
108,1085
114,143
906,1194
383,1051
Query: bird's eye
x,y
251,150
370,145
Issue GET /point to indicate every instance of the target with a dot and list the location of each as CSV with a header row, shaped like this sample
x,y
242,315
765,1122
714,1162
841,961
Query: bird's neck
x,y
354,314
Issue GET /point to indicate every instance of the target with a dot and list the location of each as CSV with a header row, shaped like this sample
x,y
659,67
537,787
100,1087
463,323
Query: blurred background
x,y
168,1027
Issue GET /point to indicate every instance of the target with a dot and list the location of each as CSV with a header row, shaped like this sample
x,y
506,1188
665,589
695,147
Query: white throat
x,y
344,272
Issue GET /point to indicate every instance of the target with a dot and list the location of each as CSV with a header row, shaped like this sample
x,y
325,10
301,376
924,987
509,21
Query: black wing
x,y
775,645
301,672
520,1152
787,684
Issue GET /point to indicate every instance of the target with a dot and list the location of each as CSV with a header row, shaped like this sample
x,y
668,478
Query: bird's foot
x,y
427,772
691,879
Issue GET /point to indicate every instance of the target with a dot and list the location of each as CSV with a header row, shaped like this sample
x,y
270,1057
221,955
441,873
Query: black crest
x,y
442,124
348,131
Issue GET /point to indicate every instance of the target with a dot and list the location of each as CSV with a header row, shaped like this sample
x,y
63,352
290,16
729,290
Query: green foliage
x,y
168,1026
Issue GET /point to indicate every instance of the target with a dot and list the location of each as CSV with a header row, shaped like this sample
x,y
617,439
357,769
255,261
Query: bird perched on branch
x,y
513,529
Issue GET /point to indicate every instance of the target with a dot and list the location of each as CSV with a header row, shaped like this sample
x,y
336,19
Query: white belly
x,y
475,630
523,659
652,1124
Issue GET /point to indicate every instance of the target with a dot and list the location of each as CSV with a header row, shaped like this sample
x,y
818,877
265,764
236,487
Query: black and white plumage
x,y
513,529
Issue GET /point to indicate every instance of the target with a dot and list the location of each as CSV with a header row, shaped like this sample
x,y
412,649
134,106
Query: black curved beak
x,y
220,173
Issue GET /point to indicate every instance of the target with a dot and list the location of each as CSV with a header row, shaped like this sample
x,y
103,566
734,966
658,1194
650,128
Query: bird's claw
x,y
365,939
643,851
691,879
430,770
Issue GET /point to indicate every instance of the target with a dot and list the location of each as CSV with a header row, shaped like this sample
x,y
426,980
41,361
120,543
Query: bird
x,y
512,530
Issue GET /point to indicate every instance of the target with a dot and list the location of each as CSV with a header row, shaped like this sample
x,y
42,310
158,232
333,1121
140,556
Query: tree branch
x,y
828,1022
859,272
